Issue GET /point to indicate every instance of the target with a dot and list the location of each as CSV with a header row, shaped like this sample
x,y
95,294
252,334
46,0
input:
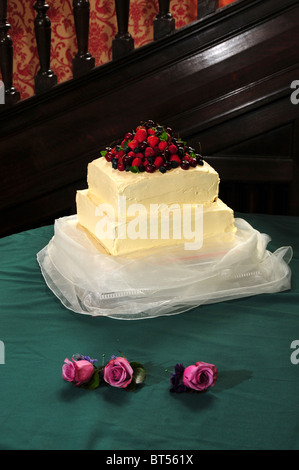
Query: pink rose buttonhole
x,y
197,377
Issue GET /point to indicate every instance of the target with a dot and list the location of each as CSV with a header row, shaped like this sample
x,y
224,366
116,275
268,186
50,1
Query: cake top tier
x,y
149,148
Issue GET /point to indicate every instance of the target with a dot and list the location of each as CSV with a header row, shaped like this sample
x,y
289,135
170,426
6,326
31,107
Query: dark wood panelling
x,y
223,81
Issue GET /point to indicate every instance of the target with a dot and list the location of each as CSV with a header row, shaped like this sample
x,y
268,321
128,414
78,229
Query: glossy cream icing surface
x,y
193,186
124,235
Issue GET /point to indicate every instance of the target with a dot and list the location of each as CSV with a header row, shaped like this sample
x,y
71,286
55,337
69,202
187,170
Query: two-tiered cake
x,y
150,191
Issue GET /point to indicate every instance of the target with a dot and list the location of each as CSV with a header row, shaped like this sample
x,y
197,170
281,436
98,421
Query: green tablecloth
x,y
254,404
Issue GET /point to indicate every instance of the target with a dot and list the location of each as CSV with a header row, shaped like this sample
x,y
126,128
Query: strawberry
x,y
173,149
141,135
153,141
175,158
162,145
151,131
131,154
136,162
159,161
149,152
133,144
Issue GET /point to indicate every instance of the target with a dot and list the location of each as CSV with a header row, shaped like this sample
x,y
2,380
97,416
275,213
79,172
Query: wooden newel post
x,y
45,77
122,43
83,60
164,23
6,57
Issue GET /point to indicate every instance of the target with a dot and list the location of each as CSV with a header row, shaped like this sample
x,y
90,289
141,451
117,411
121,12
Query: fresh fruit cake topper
x,y
149,148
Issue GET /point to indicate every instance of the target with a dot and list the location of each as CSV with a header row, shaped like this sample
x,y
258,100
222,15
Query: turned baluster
x,y
45,77
205,7
164,23
83,60
123,42
6,57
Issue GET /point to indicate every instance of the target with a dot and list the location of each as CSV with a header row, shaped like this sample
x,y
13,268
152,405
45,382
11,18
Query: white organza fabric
x,y
170,281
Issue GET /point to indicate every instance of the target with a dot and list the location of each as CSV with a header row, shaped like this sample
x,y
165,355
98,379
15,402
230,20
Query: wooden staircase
x,y
224,81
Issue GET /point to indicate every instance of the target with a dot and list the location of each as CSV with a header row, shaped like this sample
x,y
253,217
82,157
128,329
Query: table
x,y
254,404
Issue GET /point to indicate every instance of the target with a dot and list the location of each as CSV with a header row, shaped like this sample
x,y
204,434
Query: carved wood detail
x,y
122,43
83,61
45,77
12,96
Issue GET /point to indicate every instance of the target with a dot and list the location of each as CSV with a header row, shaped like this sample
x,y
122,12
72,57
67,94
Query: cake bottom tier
x,y
87,280
162,226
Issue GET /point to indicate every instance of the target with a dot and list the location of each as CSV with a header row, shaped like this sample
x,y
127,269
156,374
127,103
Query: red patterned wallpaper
x,y
103,27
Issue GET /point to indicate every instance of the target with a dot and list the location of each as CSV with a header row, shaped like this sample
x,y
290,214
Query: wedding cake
x,y
152,190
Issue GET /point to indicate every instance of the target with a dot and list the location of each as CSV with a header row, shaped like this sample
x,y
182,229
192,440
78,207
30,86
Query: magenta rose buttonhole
x,y
198,377
118,372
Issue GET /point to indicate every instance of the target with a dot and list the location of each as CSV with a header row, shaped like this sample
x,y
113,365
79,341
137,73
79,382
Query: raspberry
x,y
141,135
153,140
159,161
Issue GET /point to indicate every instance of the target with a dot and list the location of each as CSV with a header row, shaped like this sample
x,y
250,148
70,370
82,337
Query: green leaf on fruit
x,y
134,169
103,153
164,136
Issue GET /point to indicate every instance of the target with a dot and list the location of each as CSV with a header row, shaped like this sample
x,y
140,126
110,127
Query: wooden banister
x,y
122,43
12,96
45,77
83,60
164,23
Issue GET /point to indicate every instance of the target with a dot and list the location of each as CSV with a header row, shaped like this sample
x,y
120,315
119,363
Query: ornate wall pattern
x,y
103,27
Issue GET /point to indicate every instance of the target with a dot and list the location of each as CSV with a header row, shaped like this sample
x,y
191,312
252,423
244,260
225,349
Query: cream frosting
x,y
193,186
121,236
